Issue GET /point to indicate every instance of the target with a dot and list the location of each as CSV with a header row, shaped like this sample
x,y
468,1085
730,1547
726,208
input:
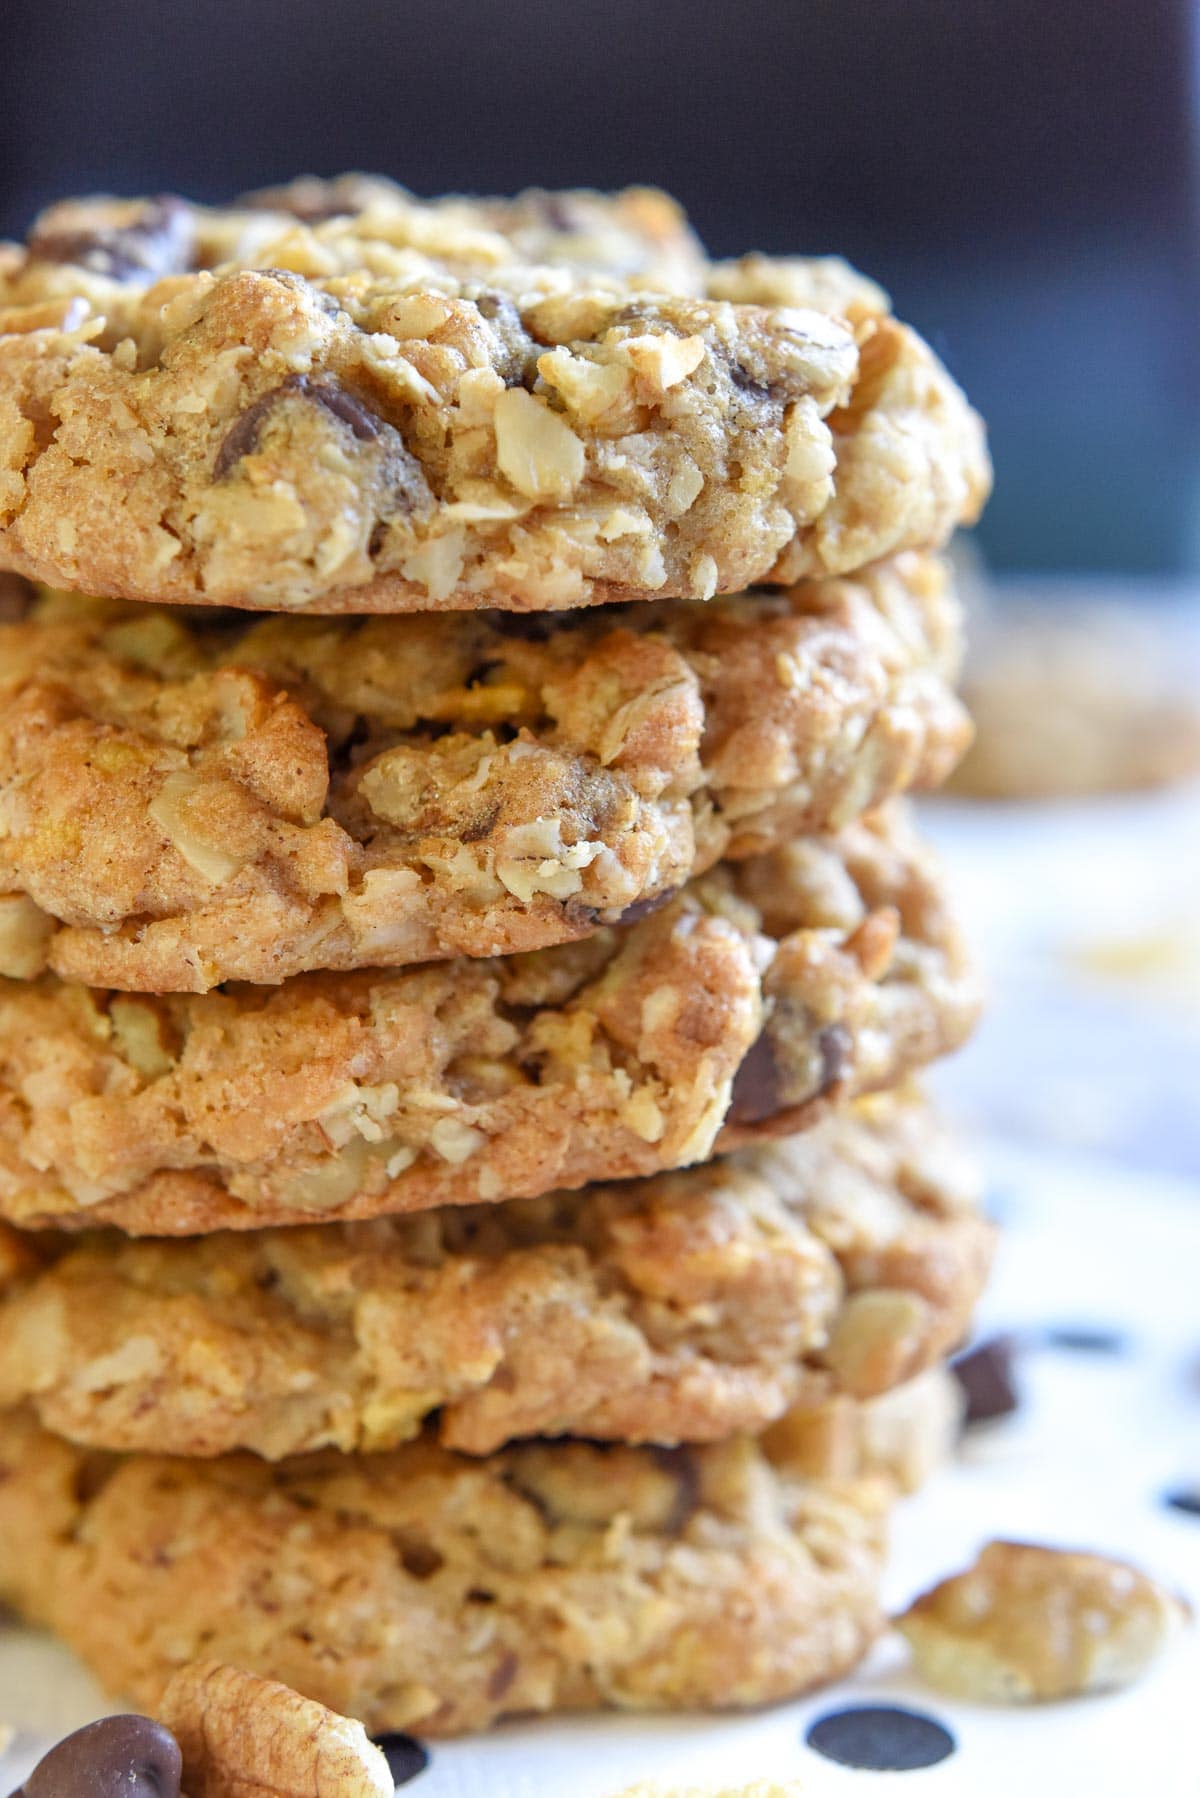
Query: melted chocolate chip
x,y
555,209
680,1463
159,241
242,437
645,908
502,1675
985,1374
16,597
1186,1499
119,1757
745,383
405,1756
756,1085
881,1738
837,1056
481,826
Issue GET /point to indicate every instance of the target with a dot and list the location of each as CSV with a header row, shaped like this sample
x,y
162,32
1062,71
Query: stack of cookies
x,y
470,1235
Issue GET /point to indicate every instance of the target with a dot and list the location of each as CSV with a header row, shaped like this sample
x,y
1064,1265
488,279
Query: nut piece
x,y
535,448
1027,1623
245,1737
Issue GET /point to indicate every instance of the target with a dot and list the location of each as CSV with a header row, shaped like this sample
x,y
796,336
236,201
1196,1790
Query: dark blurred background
x,y
1020,175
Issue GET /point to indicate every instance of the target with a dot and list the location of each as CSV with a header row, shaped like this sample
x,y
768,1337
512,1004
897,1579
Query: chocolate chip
x,y
160,241
517,362
985,1374
288,277
480,826
530,627
502,1676
1084,1340
555,209
745,383
756,1085
119,1757
680,1463
405,1756
242,437
312,200
881,1738
1185,1499
645,908
16,598
837,1056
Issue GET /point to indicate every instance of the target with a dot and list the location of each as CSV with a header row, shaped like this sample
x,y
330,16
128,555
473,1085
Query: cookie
x,y
326,418
425,1590
639,234
766,993
1074,698
187,799
682,1308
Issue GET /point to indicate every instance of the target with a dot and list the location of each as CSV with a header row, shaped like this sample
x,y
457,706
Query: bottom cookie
x,y
426,1590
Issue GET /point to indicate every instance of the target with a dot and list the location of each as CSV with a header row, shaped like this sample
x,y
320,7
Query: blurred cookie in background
x,y
1074,696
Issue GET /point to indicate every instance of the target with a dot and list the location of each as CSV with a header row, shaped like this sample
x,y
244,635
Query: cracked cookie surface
x,y
375,411
767,992
687,1307
187,799
425,1590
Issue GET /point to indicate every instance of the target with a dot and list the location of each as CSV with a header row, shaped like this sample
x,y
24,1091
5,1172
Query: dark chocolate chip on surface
x,y
1185,1499
118,1757
405,1756
881,1738
985,1374
242,437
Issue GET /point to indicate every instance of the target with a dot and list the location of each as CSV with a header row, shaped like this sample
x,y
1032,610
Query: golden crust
x,y
190,800
762,996
687,1307
422,1590
378,413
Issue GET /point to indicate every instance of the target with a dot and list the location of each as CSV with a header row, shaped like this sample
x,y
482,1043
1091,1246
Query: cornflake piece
x,y
245,1737
1027,1623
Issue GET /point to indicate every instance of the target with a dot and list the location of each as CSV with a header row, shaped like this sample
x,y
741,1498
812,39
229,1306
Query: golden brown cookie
x,y
375,411
425,1590
767,992
682,1308
187,799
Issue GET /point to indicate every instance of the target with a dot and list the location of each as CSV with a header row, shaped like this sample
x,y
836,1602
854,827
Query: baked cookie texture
x,y
373,412
187,799
687,1307
765,994
426,1590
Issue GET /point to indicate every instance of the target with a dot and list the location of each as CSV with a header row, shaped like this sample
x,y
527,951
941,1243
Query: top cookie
x,y
396,408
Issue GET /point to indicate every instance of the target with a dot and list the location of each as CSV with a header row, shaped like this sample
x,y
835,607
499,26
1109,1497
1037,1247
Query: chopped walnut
x,y
1027,1623
245,1737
